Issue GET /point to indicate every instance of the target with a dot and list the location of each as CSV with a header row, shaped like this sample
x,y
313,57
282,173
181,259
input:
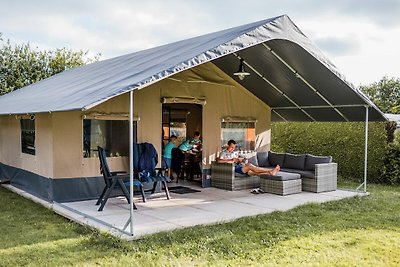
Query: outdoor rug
x,y
182,190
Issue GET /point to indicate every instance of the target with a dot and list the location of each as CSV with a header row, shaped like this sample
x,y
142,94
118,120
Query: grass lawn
x,y
360,231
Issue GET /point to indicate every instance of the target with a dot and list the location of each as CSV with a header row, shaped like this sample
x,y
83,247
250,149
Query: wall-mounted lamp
x,y
241,73
108,116
183,100
25,117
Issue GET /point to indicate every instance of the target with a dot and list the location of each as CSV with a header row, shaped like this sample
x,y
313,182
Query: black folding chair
x,y
114,180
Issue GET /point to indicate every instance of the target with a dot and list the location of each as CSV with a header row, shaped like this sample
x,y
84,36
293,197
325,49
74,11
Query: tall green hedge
x,y
391,167
343,141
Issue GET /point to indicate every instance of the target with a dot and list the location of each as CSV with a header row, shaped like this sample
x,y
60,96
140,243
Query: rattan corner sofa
x,y
317,174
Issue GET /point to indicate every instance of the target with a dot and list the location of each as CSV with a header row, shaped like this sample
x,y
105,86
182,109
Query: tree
x,y
385,94
21,65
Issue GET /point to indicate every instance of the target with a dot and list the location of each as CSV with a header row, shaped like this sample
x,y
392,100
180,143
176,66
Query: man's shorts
x,y
166,163
239,169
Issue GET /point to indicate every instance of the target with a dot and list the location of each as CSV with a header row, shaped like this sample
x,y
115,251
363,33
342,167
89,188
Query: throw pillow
x,y
262,159
294,161
311,160
252,158
276,158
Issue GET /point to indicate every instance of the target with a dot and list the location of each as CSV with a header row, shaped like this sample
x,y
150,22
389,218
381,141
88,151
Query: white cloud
x,y
361,49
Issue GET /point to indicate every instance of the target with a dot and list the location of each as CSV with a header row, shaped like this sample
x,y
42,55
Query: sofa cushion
x,y
252,158
276,158
294,161
311,160
262,159
303,173
281,176
241,174
306,174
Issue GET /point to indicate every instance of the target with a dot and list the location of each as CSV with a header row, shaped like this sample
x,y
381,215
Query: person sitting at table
x,y
190,143
230,156
167,155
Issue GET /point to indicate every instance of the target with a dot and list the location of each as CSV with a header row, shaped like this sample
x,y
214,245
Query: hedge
x,y
344,141
391,166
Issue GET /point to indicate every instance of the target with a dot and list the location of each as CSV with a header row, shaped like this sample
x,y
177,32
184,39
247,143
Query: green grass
x,y
360,231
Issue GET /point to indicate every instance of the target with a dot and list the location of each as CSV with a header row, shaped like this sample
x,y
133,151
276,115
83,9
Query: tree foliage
x,y
385,94
21,65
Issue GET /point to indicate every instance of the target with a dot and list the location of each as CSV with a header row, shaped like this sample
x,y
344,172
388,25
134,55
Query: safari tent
x,y
49,130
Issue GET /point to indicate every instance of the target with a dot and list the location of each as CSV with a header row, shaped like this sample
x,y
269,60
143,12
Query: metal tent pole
x,y
366,149
131,159
365,153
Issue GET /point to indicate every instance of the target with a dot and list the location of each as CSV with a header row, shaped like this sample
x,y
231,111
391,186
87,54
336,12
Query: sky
x,y
360,37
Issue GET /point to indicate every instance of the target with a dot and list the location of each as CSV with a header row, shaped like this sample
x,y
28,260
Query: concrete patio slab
x,y
157,214
269,201
228,207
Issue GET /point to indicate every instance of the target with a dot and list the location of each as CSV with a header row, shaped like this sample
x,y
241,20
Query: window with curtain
x,y
112,135
244,133
28,136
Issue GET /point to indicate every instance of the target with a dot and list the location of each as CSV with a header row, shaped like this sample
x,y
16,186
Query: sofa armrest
x,y
222,170
323,170
326,176
222,175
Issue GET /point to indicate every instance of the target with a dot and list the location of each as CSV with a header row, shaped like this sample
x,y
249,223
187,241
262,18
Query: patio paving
x,y
210,206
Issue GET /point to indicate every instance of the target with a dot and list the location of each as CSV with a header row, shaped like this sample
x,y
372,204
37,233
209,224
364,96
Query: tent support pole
x,y
130,220
365,152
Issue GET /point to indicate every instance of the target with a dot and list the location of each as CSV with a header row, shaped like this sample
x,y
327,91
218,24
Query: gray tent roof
x,y
393,117
288,72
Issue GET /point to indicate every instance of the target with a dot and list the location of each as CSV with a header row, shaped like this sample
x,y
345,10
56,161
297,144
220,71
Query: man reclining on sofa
x,y
241,166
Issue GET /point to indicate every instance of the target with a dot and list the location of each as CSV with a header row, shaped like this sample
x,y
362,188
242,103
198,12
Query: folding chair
x,y
114,180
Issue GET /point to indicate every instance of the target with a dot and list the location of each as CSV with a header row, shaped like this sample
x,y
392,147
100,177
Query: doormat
x,y
182,190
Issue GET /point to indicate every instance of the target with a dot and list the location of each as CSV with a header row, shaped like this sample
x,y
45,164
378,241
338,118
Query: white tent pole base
x,y
361,185
128,222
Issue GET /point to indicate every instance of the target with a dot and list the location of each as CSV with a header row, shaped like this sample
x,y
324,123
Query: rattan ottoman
x,y
284,183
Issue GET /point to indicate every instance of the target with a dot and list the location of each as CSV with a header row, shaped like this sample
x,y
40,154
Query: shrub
x,y
344,141
391,167
397,137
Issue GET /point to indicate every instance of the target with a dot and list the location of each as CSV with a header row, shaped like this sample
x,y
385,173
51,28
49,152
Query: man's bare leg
x,y
276,170
258,171
250,167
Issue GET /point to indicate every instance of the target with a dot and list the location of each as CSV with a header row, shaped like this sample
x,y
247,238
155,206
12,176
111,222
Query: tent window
x,y
112,135
28,136
242,132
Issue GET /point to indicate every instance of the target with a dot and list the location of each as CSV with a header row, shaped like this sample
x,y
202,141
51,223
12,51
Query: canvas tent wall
x,y
58,155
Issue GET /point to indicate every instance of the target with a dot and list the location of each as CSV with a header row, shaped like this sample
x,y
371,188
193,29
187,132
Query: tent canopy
x,y
287,71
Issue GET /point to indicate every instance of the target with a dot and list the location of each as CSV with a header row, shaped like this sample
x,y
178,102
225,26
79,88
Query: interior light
x,y
241,73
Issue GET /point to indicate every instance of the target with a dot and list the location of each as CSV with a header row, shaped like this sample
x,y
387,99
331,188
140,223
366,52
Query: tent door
x,y
181,120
